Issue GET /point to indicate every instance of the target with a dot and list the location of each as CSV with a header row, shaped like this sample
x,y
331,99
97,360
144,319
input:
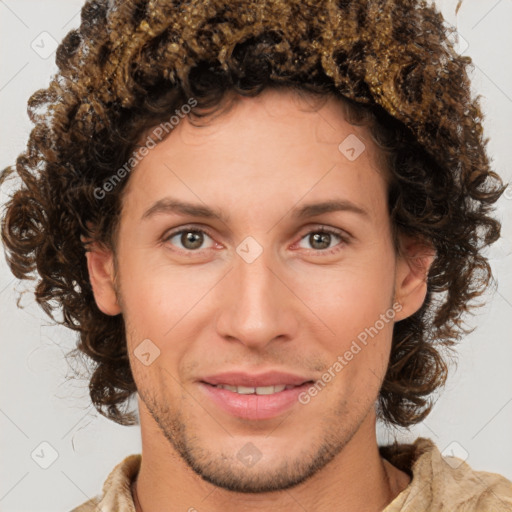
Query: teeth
x,y
244,390
230,388
269,390
260,390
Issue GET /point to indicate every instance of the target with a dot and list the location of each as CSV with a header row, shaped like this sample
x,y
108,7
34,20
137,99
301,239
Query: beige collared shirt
x,y
438,484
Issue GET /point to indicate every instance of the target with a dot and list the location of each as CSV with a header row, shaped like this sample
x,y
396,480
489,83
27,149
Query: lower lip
x,y
254,407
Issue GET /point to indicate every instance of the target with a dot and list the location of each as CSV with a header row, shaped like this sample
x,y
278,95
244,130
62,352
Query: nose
x,y
256,303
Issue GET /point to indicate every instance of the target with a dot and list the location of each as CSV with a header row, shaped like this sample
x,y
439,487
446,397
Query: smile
x,y
260,390
254,403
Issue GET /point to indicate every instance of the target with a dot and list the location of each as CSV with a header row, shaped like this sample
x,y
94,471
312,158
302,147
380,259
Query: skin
x,y
295,308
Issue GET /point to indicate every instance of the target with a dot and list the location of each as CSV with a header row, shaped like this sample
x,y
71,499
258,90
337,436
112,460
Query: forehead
x,y
275,148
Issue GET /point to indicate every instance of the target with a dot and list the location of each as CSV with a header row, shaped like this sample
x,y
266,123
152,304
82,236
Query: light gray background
x,y
472,419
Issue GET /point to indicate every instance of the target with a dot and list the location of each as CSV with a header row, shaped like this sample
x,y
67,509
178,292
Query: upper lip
x,y
255,380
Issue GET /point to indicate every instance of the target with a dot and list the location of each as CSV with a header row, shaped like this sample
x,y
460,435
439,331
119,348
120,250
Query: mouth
x,y
254,402
240,379
257,390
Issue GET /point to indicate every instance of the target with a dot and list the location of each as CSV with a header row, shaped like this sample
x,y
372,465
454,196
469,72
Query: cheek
x,y
355,303
164,303
351,298
158,334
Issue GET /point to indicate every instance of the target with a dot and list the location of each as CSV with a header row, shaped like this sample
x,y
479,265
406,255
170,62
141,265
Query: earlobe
x,y
413,265
100,265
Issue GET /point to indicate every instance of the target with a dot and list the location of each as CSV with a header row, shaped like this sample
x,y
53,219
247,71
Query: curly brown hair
x,y
132,63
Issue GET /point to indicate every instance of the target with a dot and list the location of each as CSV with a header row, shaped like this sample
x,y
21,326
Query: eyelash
x,y
344,238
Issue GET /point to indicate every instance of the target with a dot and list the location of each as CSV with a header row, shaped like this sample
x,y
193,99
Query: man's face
x,y
262,291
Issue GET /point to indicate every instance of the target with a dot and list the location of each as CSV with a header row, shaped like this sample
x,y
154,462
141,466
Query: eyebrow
x,y
169,205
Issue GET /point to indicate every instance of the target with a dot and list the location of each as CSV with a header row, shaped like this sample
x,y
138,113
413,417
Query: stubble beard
x,y
226,471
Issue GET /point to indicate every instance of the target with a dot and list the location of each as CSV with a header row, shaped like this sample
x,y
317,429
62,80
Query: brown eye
x,y
320,240
190,239
324,239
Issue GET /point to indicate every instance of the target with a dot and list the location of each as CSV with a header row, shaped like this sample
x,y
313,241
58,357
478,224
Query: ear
x,y
100,264
412,267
